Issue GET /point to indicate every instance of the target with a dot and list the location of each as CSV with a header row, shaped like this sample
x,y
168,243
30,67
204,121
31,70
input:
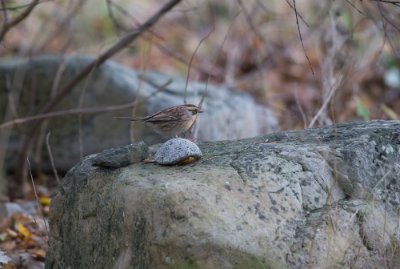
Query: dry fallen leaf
x,y
44,201
38,254
21,229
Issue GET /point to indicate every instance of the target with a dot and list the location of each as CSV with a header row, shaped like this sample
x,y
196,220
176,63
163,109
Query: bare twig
x,y
53,166
22,6
59,29
35,192
80,105
383,15
265,59
303,115
268,51
216,58
121,44
16,84
301,37
386,35
208,70
204,95
331,81
300,16
5,16
147,54
191,60
78,111
354,6
117,24
41,139
325,104
10,24
155,85
396,3
250,22
64,113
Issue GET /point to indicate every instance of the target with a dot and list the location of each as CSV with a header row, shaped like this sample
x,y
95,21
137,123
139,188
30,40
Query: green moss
x,y
253,262
185,263
238,259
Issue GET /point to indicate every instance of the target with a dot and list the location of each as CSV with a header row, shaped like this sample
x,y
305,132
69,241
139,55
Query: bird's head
x,y
194,109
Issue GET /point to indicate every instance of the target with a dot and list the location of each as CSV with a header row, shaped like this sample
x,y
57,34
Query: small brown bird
x,y
171,121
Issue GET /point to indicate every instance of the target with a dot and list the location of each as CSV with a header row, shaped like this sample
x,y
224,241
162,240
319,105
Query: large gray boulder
x,y
27,84
319,198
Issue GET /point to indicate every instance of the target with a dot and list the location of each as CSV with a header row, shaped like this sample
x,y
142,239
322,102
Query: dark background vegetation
x,y
312,63
350,48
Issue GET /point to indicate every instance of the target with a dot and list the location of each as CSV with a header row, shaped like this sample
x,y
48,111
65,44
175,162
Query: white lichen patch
x,y
388,149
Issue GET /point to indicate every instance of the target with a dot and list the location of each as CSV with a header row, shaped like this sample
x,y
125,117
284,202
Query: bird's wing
x,y
159,117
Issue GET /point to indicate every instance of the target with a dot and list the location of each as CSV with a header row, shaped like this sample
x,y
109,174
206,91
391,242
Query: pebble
x,y
121,156
177,151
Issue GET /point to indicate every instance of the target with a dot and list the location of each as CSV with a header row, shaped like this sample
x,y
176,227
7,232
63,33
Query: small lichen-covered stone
x,y
121,156
177,151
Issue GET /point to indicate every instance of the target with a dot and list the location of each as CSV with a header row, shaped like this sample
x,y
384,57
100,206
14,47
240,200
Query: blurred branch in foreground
x,y
7,25
121,44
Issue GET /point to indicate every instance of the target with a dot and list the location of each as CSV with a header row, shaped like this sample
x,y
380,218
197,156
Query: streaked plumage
x,y
171,121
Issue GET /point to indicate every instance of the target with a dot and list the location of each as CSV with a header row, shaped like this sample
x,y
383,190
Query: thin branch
x,y
121,44
191,60
269,58
303,115
249,21
261,63
35,192
18,19
21,6
211,71
396,3
205,94
5,16
354,6
216,59
51,157
301,37
325,104
300,16
117,25
386,35
386,18
59,28
77,111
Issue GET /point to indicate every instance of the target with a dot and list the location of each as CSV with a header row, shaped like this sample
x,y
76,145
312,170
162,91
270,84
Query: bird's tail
x,y
127,118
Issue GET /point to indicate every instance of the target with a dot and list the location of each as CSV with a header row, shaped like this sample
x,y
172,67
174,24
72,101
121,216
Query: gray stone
x,y
121,156
177,151
286,200
30,83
